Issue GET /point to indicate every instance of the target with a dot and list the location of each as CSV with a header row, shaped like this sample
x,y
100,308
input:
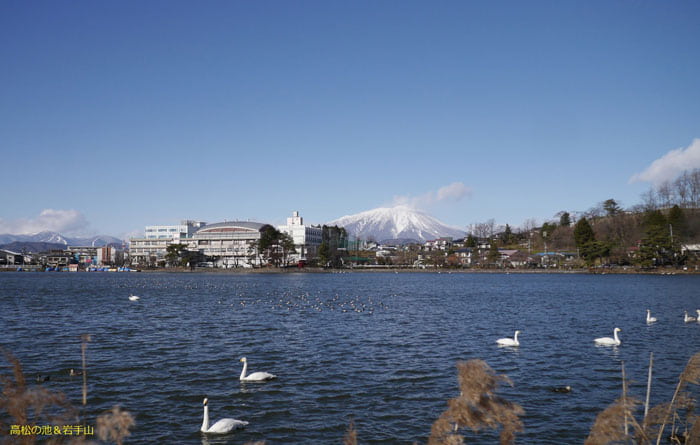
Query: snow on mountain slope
x,y
57,238
396,222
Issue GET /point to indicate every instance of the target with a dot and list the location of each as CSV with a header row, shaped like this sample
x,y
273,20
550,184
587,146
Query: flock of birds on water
x,y
604,341
304,301
226,425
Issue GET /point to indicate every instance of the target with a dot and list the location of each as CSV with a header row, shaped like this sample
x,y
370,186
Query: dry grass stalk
x,y
85,338
350,437
27,406
114,425
691,374
609,426
693,437
477,407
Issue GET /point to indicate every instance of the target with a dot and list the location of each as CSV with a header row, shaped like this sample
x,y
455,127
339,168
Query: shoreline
x,y
310,270
317,270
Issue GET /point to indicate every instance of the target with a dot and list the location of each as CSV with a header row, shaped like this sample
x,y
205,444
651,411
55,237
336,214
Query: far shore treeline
x,y
661,233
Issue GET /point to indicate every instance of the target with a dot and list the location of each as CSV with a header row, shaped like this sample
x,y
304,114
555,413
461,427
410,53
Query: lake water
x,y
379,348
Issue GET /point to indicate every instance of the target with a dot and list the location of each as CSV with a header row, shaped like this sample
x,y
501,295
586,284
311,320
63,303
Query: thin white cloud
x,y
670,165
453,192
54,220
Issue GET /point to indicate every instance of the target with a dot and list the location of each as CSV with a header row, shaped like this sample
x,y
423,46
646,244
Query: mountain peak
x,y
400,221
56,238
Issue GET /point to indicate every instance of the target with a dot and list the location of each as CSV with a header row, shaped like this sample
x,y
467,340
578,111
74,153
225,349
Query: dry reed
x,y
680,401
24,405
609,426
85,338
477,408
350,437
114,425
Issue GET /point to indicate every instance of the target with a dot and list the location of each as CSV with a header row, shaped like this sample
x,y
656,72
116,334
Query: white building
x,y
185,229
230,243
306,238
152,247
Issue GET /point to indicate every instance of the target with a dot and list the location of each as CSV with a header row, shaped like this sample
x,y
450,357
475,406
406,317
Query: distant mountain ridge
x,y
392,223
54,240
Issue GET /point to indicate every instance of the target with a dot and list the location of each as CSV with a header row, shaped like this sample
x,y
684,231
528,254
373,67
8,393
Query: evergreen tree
x,y
493,255
588,247
507,235
583,233
593,250
548,229
323,254
658,248
470,241
611,207
565,219
676,219
336,240
175,254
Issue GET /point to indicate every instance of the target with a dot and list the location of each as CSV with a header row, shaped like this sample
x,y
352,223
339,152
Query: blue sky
x,y
117,115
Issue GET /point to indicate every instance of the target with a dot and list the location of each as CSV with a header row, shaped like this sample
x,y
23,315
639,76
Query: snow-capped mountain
x,y
396,222
57,238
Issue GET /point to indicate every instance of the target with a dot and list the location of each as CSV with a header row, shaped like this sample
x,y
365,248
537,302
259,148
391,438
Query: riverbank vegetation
x,y
477,408
31,413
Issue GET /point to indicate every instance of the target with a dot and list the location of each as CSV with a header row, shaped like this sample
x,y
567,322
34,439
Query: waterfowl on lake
x,y
688,319
566,388
42,378
222,426
259,376
74,373
509,341
650,319
134,298
607,341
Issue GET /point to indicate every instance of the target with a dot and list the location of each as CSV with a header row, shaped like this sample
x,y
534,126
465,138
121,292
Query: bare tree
x,y
649,200
485,229
665,194
694,188
529,225
682,189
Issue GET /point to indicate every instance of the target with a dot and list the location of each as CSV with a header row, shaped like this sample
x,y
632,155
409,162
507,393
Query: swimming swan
x,y
256,376
509,341
688,319
650,319
221,426
609,341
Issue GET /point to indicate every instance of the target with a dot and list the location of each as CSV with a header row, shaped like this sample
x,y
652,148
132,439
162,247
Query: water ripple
x,y
377,348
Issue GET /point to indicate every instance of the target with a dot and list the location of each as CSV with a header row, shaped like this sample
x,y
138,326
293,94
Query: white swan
x,y
221,426
688,319
609,341
650,319
509,341
134,298
256,376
